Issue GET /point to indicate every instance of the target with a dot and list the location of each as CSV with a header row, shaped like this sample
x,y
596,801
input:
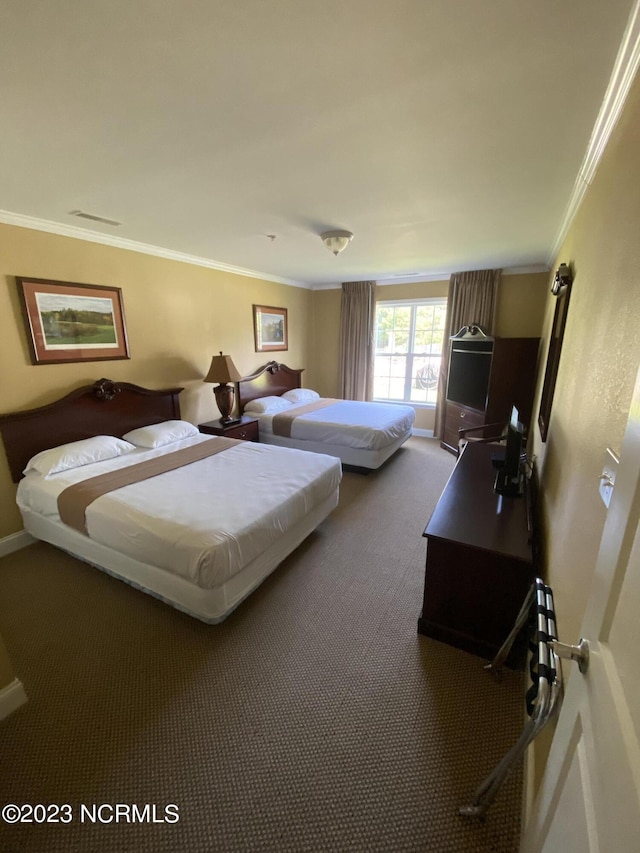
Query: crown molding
x,y
445,275
531,269
622,76
408,279
63,230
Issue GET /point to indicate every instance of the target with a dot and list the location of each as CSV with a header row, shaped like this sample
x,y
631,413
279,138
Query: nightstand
x,y
246,430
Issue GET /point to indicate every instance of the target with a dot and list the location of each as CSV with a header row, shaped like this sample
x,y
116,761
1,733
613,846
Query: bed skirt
x,y
208,605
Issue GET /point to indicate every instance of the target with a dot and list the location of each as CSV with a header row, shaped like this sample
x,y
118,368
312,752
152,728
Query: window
x,y
409,337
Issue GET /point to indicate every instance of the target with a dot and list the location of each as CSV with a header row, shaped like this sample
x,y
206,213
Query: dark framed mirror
x,y
562,291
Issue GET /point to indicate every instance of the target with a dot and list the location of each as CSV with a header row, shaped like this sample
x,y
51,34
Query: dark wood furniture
x,y
507,380
480,557
104,408
246,430
273,379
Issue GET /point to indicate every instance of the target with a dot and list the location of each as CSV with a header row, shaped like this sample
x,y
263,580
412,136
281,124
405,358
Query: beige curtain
x,y
356,340
472,301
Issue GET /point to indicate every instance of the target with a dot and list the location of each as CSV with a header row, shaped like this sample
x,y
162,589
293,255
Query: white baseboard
x,y
423,433
15,541
11,698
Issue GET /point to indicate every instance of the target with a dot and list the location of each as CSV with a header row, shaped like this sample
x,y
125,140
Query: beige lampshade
x,y
222,370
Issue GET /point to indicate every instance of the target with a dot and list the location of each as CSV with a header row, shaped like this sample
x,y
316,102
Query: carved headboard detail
x,y
271,380
104,408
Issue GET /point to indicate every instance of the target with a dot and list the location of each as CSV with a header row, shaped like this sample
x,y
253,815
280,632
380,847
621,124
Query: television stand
x,y
480,558
509,486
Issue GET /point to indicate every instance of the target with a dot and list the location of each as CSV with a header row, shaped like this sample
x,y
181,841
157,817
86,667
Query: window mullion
x,y
410,351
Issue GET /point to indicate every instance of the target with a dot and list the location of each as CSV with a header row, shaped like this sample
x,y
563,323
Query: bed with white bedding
x,y
200,535
360,434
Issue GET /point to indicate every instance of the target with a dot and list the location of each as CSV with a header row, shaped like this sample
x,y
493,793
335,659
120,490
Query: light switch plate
x,y
608,476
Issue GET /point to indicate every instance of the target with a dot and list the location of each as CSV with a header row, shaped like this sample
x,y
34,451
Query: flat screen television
x,y
469,373
509,479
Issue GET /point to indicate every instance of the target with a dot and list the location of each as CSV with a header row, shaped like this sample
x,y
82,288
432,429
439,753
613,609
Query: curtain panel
x,y
356,352
472,301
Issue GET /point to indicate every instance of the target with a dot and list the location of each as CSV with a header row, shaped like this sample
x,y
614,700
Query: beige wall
x,y
178,315
598,366
520,313
521,304
325,336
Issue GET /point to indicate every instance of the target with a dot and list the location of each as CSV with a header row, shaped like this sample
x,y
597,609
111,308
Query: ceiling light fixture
x,y
336,241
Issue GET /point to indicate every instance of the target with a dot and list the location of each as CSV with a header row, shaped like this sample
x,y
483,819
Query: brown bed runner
x,y
282,422
74,500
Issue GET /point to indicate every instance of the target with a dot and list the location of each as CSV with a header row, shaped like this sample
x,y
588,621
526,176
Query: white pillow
x,y
267,405
156,435
301,395
77,453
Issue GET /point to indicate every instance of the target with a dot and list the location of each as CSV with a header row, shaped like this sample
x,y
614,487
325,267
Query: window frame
x,y
410,354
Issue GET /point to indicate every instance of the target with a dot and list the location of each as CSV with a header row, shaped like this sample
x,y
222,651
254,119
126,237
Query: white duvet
x,y
204,521
350,423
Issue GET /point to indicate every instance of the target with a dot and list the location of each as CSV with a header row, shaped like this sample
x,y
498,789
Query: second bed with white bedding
x,y
368,426
361,434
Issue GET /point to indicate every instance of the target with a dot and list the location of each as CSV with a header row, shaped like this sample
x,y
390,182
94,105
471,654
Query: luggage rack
x,y
545,694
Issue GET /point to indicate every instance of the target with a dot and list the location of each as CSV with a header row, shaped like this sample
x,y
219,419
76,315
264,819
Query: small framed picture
x,y
270,328
73,322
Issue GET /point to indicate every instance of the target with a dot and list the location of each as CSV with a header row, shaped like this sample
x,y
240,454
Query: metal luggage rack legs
x,y
544,695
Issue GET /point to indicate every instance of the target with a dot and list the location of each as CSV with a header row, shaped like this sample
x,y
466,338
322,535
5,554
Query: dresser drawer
x,y
458,417
246,432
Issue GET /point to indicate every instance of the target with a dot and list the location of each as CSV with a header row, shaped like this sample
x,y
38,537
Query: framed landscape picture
x,y
73,322
270,328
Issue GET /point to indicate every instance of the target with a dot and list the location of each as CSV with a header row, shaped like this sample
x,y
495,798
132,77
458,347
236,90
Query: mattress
x,y
349,424
204,522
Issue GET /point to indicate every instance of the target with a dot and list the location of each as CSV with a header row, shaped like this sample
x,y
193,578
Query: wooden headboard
x,y
271,380
104,408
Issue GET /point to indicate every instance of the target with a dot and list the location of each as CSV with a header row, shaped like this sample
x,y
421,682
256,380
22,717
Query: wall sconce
x,y
223,370
336,241
562,278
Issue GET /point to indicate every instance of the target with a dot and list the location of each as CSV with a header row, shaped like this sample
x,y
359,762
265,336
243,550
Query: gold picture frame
x,y
270,328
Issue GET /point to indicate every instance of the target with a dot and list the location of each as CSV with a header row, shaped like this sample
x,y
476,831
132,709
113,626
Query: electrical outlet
x,y
608,476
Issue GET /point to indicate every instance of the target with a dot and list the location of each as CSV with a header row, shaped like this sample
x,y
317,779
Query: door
x,y
590,794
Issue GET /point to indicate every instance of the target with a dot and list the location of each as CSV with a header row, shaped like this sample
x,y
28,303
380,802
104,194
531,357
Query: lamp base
x,y
230,421
224,395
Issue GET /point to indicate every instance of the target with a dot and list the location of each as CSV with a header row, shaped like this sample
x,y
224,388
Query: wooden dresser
x,y
480,557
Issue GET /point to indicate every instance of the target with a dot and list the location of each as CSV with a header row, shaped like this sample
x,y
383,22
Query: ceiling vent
x,y
93,217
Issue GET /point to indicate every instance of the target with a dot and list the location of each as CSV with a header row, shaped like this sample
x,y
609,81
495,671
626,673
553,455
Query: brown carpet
x,y
315,718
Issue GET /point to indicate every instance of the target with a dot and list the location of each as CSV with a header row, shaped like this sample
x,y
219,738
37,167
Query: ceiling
x,y
445,134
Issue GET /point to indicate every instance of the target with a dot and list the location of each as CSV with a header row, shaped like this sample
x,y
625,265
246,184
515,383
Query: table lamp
x,y
223,370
